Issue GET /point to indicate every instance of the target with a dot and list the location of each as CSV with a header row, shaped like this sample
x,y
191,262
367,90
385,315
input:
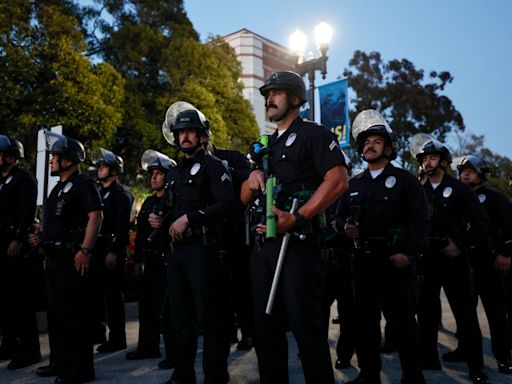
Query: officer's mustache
x,y
271,106
370,150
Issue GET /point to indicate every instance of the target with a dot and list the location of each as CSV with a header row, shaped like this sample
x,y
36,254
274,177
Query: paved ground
x,y
114,368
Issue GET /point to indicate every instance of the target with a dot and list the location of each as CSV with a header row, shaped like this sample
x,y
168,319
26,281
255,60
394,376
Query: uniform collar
x,y
292,128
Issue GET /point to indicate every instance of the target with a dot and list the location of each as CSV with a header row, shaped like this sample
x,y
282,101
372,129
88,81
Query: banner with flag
x,y
334,110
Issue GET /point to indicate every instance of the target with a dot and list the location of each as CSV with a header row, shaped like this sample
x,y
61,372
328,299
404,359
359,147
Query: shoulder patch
x,y
225,177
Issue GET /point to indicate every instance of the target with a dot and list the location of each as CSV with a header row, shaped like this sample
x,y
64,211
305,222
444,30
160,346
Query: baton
x,y
279,266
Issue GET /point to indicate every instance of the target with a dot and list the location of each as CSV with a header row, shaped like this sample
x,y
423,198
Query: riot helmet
x,y
370,122
288,81
11,147
459,163
423,144
152,159
71,149
102,156
182,115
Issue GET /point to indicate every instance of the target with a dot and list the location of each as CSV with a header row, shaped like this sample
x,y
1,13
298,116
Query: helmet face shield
x,y
5,143
152,159
182,115
422,144
57,144
472,161
102,156
11,147
370,122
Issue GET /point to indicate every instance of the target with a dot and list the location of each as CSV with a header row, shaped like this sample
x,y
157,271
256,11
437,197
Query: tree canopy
x,y
46,79
157,51
410,100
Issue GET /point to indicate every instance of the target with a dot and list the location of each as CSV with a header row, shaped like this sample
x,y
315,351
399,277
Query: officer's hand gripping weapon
x,y
162,209
261,150
279,266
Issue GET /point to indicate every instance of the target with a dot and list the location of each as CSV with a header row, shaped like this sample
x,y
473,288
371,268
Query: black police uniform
x,y
116,203
70,295
336,251
392,215
18,326
454,208
238,251
154,315
299,158
489,281
202,189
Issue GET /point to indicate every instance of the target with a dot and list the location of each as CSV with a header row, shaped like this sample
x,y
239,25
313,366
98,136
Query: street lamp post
x,y
298,41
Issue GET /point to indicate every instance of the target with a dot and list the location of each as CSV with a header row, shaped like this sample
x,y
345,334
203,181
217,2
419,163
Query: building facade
x,y
259,57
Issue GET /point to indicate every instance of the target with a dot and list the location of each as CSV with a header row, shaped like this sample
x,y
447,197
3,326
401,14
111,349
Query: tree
x,y
468,143
46,79
410,101
155,48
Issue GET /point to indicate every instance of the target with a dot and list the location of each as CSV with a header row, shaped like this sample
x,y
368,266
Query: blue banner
x,y
334,110
304,109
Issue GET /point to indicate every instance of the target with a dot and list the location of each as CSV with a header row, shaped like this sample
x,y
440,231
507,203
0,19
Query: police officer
x,y
385,214
71,223
490,259
203,197
454,209
336,251
309,166
110,250
154,315
18,193
237,250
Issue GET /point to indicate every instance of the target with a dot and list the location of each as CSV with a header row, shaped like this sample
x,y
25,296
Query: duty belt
x,y
59,246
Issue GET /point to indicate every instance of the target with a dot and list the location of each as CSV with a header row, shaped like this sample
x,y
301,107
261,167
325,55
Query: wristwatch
x,y
299,219
85,250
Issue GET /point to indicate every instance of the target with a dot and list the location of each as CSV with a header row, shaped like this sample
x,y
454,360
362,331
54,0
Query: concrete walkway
x,y
114,368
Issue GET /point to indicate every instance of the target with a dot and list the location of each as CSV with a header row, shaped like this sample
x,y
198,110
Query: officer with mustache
x,y
384,213
309,165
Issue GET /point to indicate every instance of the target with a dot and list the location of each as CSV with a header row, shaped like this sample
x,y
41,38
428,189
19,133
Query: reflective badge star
x,y
482,198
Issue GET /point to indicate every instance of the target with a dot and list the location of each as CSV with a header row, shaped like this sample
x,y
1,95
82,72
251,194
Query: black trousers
x,y
298,303
198,298
70,303
154,315
18,324
490,286
379,284
110,300
240,286
339,287
454,275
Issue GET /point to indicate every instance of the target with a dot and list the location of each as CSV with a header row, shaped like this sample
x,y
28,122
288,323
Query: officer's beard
x,y
60,169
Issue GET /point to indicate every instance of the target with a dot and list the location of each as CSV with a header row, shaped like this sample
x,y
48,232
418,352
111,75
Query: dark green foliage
x,y
410,100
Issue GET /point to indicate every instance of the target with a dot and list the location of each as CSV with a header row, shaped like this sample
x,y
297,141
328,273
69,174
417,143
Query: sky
x,y
472,39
